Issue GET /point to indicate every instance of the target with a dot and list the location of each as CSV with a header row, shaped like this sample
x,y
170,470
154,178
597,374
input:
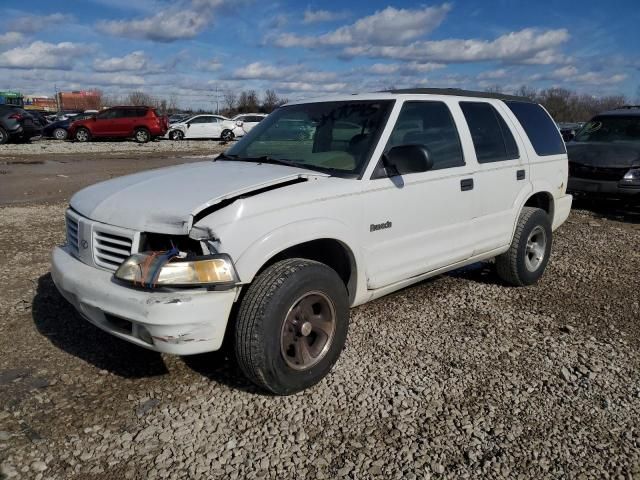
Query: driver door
x,y
419,222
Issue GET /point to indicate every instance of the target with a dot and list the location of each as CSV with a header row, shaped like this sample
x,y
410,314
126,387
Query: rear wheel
x,y
527,257
4,137
83,135
60,134
142,135
227,135
292,325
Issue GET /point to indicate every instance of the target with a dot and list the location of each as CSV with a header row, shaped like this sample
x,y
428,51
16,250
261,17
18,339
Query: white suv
x,y
274,240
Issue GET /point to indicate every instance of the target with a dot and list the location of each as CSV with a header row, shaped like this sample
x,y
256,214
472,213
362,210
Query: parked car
x,y
59,129
203,126
604,157
178,117
141,123
17,125
569,130
245,122
283,236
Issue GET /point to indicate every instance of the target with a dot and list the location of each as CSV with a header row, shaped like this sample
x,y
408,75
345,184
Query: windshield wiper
x,y
226,156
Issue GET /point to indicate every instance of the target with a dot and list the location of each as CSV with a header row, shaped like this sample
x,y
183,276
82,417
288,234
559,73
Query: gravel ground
x,y
56,147
457,377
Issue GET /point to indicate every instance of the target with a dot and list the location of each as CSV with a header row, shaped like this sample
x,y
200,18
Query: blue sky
x,y
189,49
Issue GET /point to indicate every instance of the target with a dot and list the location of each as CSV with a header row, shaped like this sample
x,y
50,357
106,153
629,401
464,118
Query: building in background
x,y
11,98
42,104
80,100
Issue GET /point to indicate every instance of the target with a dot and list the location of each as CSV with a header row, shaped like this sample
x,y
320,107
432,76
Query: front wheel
x,y
83,135
4,137
227,135
176,135
527,257
292,325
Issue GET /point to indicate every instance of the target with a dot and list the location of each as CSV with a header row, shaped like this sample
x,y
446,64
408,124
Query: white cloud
x,y
390,26
10,38
404,69
134,61
267,71
212,65
34,23
44,55
493,74
520,46
317,16
164,26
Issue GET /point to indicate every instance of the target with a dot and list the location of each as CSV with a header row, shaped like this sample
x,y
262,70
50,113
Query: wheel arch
x,y
324,241
329,251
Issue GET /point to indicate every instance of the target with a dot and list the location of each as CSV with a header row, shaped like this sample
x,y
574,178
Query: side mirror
x,y
404,159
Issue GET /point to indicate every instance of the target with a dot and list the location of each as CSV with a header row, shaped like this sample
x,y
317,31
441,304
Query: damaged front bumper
x,y
181,322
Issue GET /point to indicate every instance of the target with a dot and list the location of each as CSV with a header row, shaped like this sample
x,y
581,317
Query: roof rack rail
x,y
458,92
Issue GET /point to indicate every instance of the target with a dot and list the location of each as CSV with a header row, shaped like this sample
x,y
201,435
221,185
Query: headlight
x,y
632,177
152,270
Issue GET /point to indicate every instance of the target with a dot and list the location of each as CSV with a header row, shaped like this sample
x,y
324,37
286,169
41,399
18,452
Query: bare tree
x,y
141,99
270,102
230,99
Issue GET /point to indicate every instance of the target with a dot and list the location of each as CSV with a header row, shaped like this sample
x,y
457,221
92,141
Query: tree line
x,y
566,105
229,103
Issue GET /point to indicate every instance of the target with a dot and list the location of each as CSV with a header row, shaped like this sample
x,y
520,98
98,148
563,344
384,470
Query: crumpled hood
x,y
165,200
606,155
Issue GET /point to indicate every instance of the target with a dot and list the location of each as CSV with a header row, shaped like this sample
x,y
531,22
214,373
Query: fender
x,y
538,186
251,260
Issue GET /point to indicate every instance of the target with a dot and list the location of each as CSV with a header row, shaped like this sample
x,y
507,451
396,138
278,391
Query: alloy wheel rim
x,y
60,134
308,330
82,135
535,249
141,136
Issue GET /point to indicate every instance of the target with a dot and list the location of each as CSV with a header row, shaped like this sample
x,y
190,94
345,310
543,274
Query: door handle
x,y
466,184
520,175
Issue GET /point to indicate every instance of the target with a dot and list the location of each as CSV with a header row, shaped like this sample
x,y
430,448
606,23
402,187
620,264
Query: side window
x,y
108,114
198,120
429,124
492,138
539,127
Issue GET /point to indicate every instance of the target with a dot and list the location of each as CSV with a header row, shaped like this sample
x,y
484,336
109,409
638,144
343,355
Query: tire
x,y
227,135
83,135
525,261
4,136
176,135
141,135
294,291
60,134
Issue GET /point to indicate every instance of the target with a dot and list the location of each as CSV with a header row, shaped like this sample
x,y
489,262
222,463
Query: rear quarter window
x,y
539,127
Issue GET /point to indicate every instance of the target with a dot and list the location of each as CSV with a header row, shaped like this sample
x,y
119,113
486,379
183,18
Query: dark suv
x,y
604,157
141,123
17,124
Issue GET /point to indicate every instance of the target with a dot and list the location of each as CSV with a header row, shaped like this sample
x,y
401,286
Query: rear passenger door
x,y
501,177
419,222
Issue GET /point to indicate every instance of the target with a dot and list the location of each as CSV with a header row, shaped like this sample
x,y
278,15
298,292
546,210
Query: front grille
x,y
596,173
72,234
109,249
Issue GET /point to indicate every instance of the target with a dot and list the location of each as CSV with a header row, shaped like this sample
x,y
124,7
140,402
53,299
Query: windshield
x,y
610,129
337,137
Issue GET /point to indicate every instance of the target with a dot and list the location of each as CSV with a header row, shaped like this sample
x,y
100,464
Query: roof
x,y
625,111
459,93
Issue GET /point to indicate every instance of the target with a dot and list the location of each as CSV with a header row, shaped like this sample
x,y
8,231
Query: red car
x,y
140,123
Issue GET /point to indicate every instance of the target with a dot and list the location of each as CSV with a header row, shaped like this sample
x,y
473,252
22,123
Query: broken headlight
x,y
632,177
162,269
